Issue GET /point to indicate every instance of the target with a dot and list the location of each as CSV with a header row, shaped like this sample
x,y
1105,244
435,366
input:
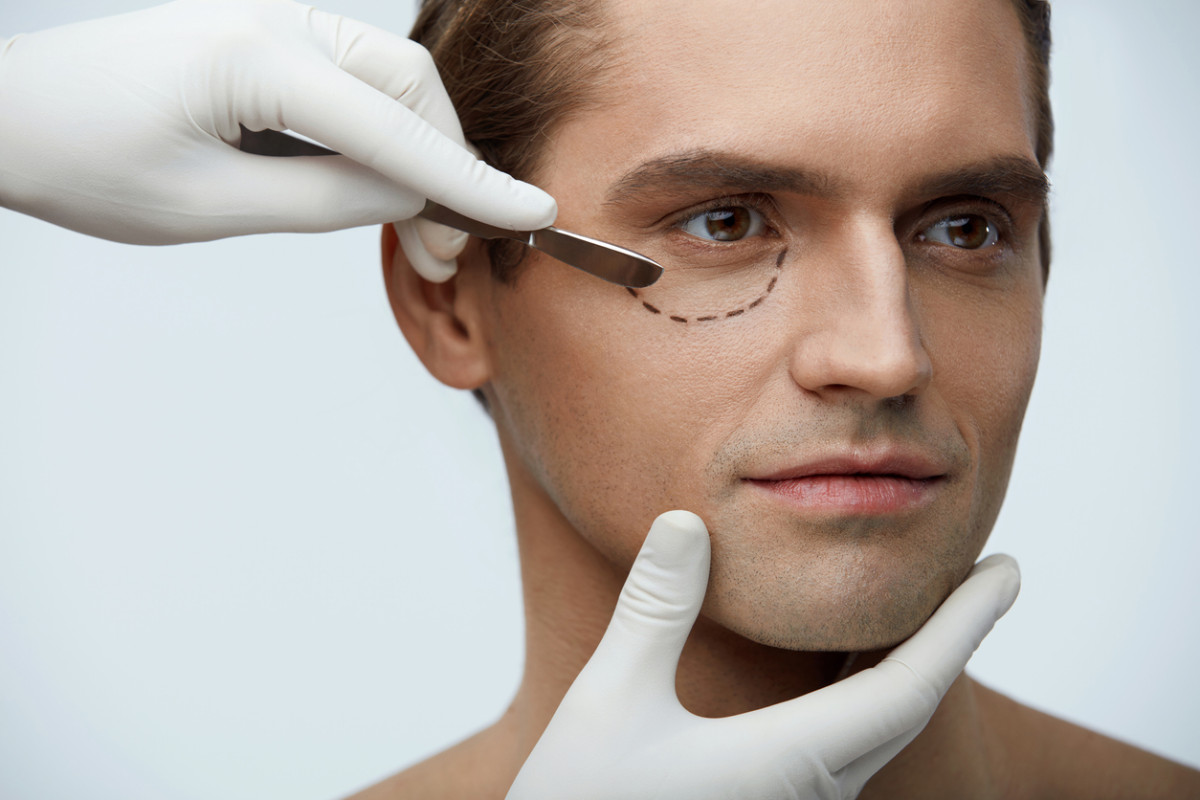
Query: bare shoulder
x,y
1046,757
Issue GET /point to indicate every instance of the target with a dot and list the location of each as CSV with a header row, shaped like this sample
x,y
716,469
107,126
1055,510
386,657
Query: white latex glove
x,y
127,128
621,733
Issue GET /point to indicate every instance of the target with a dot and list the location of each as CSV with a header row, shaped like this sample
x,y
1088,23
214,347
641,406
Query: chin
x,y
845,633
851,601
843,584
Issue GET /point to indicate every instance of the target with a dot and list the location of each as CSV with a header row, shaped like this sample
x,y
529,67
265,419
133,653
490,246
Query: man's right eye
x,y
725,224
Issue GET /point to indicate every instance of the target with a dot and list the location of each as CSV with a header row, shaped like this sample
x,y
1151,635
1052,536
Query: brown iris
x,y
728,224
969,232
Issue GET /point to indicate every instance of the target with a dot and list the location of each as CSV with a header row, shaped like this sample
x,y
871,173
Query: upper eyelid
x,y
762,203
963,201
768,205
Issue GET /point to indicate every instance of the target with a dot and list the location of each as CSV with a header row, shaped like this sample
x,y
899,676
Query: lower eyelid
x,y
687,250
683,239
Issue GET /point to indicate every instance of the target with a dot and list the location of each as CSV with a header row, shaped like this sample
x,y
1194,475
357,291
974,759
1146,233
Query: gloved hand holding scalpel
x,y
127,128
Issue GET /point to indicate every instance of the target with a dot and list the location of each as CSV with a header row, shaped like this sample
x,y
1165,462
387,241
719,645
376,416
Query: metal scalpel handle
x,y
607,261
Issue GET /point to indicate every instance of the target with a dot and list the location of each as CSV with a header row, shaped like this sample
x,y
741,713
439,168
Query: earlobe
x,y
443,322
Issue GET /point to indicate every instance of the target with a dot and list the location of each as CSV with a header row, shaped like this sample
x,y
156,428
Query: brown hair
x,y
515,69
1035,21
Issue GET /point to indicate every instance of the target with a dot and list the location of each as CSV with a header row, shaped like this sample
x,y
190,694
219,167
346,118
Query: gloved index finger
x,y
331,106
405,71
939,651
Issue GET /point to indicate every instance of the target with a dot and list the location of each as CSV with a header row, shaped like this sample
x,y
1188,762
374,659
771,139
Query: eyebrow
x,y
1011,176
1014,176
715,170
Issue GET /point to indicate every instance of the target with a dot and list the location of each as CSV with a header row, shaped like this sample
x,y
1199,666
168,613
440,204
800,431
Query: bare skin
x,y
872,133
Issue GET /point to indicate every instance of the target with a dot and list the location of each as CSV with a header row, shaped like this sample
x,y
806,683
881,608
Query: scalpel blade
x,y
607,261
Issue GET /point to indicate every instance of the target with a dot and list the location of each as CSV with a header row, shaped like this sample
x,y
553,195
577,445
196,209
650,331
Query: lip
x,y
887,482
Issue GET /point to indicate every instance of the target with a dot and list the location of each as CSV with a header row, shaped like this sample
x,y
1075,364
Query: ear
x,y
443,322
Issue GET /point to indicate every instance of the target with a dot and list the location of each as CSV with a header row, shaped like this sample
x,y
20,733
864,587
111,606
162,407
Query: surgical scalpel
x,y
606,261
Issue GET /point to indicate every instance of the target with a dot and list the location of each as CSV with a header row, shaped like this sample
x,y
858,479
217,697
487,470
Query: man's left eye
x,y
967,231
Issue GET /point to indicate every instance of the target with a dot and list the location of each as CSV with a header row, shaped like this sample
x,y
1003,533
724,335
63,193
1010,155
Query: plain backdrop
x,y
249,549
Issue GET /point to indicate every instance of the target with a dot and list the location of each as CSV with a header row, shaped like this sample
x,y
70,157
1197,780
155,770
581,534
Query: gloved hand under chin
x,y
620,732
127,128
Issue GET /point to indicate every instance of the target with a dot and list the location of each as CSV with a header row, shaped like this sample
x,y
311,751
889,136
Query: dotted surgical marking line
x,y
711,317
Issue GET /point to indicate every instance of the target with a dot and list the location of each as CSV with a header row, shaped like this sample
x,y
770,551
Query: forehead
x,y
858,89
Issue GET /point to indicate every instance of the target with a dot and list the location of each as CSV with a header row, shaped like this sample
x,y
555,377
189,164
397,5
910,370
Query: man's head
x,y
833,373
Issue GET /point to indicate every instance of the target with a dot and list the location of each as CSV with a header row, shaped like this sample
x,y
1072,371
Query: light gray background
x,y
249,549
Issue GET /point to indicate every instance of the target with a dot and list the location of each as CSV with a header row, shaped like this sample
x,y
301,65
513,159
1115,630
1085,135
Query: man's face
x,y
834,376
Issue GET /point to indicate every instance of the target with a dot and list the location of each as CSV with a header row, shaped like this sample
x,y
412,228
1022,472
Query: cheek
x,y
1008,361
985,348
614,411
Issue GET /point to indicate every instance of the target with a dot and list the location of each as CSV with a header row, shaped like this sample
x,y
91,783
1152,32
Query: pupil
x,y
727,224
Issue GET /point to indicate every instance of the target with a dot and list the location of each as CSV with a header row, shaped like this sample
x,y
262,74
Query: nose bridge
x,y
861,332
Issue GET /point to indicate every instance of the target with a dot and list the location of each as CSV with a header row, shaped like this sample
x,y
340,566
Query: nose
x,y
859,333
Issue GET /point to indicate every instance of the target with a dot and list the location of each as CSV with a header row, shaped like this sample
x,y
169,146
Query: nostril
x,y
899,401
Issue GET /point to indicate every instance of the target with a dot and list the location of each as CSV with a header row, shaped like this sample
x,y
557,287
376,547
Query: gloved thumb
x,y
657,608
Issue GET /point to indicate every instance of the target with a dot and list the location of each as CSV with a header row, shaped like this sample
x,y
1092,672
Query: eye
x,y
966,231
725,224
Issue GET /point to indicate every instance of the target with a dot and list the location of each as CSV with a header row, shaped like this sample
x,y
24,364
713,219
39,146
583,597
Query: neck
x,y
570,591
